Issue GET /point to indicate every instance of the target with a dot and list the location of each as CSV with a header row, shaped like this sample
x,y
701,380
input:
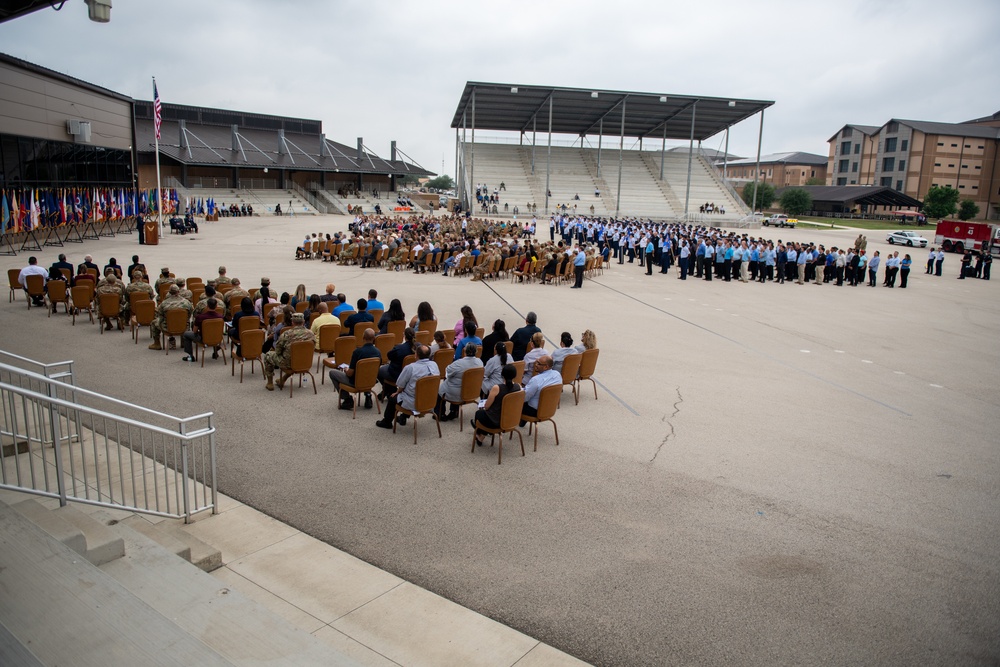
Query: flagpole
x,y
159,192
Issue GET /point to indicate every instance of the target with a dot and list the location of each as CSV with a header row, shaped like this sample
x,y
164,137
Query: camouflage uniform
x,y
161,280
160,322
281,356
233,299
139,286
346,254
479,272
108,287
223,280
402,254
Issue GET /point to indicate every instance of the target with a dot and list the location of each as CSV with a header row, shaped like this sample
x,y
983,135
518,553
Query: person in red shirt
x,y
194,336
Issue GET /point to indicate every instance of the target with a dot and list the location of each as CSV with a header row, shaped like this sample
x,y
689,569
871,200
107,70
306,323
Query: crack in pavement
x,y
672,433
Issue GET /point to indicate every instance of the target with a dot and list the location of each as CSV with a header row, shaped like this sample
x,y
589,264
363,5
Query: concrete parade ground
x,y
771,475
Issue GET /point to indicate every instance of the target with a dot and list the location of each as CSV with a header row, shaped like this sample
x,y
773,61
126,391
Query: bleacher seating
x,y
263,201
573,172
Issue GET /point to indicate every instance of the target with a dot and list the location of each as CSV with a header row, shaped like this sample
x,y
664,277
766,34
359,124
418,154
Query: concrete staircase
x,y
130,599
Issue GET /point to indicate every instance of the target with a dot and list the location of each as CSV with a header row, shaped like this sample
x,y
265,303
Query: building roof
x,y
871,195
59,76
207,140
985,119
796,157
868,130
710,153
952,129
580,111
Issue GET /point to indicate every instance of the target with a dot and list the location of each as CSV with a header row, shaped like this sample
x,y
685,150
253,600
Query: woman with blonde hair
x,y
536,350
588,341
300,295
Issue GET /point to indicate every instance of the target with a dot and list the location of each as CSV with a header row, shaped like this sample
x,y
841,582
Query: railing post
x,y
184,472
211,452
57,450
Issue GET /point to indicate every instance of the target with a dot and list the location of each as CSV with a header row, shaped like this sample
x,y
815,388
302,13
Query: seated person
x,y
277,209
177,225
388,373
190,224
406,390
543,376
450,388
536,351
566,348
343,380
362,315
470,337
304,250
489,414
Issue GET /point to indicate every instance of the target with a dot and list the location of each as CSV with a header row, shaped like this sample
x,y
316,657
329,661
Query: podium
x,y
151,233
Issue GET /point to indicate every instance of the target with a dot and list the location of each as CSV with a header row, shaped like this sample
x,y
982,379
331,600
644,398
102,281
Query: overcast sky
x,y
391,70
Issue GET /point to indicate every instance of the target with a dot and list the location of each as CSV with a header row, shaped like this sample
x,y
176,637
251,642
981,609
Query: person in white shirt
x,y
544,376
32,269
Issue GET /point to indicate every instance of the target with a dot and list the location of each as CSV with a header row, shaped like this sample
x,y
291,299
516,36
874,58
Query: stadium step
x,y
78,531
172,537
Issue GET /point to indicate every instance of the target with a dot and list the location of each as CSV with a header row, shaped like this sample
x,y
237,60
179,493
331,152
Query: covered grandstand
x,y
596,173
261,160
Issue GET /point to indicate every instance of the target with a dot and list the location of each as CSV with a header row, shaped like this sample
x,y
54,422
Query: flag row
x,y
24,209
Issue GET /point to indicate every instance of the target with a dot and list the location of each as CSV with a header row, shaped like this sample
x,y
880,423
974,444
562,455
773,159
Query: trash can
x,y
151,233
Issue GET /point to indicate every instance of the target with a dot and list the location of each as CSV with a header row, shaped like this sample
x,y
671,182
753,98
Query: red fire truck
x,y
958,236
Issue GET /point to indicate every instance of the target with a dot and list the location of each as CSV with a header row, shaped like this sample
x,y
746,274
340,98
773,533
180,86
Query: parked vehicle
x,y
779,220
911,239
958,236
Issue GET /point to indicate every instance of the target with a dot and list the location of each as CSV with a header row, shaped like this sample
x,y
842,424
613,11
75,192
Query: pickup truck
x,y
779,220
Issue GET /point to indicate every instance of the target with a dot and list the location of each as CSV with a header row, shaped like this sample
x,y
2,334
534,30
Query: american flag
x,y
157,110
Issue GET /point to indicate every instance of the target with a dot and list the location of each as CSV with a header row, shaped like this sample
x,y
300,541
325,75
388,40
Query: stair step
x,y
165,540
238,628
102,544
204,556
64,611
53,524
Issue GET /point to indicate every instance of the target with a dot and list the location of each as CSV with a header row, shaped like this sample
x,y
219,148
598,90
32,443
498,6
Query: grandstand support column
x,y
621,160
760,137
458,178
663,150
472,156
600,135
687,187
548,159
725,156
534,140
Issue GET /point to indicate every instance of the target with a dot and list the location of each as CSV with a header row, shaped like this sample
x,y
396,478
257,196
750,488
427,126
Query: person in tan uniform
x,y
173,300
281,356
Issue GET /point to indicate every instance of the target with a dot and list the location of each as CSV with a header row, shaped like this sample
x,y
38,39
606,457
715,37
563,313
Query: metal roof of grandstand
x,y
872,195
579,111
208,140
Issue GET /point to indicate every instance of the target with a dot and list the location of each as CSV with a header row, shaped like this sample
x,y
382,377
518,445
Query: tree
x,y
940,202
796,201
765,194
816,180
442,182
967,210
408,179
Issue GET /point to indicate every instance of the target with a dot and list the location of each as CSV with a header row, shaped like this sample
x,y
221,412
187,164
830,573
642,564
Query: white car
x,y
906,238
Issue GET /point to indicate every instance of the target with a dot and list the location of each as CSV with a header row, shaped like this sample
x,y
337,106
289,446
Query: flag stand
x,y
5,241
30,234
48,238
73,229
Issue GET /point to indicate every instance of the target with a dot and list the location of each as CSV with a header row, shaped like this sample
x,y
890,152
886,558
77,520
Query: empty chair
x,y
586,372
510,417
548,403
212,332
423,403
15,284
251,349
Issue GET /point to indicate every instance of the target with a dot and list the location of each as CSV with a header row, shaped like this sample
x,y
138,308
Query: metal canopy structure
x,y
582,111
579,111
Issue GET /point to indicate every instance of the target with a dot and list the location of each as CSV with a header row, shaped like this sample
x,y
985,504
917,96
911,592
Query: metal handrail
x,y
308,196
713,170
101,458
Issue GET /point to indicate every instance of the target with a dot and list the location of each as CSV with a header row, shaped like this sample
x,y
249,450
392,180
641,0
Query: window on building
x,y
968,146
845,147
980,147
892,126
886,181
954,145
975,187
854,167
857,148
904,145
940,143
951,166
965,166
812,174
902,165
937,164
947,185
978,167
842,181
899,186
888,164
961,187
890,145
843,167
847,133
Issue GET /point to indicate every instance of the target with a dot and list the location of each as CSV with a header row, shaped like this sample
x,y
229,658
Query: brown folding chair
x,y
430,326
365,378
548,403
359,332
443,357
384,343
328,334
509,344
344,315
163,289
175,324
301,306
423,403
268,307
472,387
424,338
570,369
12,280
143,314
343,349
57,293
519,366
301,364
212,333
194,281
109,307
82,297
35,286
510,417
376,315
396,328
251,349
587,366
244,324
135,297
480,332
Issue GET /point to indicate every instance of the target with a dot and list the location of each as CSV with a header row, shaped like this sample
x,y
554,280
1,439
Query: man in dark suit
x,y
522,336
